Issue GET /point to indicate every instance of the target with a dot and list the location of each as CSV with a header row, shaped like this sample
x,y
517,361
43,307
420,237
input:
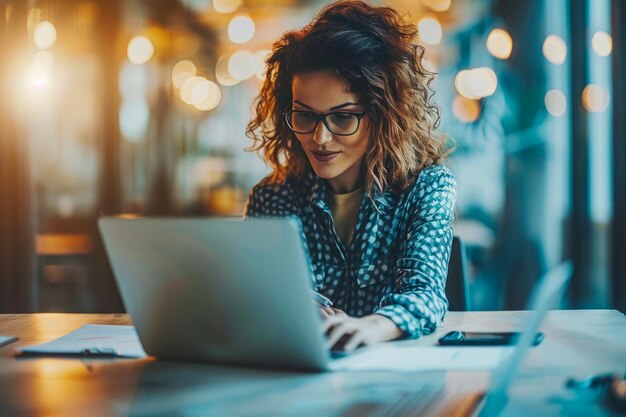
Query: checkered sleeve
x,y
267,200
418,303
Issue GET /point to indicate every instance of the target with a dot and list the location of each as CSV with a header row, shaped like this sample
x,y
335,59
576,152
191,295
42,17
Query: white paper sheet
x,y
5,340
122,340
407,358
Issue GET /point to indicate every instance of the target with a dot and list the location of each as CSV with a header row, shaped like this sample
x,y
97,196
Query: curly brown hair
x,y
374,50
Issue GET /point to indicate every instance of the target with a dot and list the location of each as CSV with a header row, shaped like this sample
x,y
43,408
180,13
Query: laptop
x,y
220,290
235,291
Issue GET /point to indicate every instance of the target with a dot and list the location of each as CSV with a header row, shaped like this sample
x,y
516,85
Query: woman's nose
x,y
322,135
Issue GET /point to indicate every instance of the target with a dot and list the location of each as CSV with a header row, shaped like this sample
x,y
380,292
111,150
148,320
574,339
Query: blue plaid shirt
x,y
397,261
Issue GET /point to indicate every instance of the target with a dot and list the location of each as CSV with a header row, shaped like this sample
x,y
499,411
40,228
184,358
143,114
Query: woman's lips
x,y
325,156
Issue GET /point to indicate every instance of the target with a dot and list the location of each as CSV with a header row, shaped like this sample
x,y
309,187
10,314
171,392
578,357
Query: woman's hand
x,y
329,311
352,332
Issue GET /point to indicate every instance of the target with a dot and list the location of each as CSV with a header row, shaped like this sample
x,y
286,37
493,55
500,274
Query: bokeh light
x,y
66,206
241,29
242,65
44,35
465,109
134,117
43,61
182,71
555,103
39,80
226,6
555,49
133,81
602,43
595,98
430,31
221,72
476,83
460,83
437,5
200,91
198,6
140,50
261,56
482,82
499,43
212,97
186,90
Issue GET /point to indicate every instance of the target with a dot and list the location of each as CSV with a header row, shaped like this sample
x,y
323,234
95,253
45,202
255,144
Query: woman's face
x,y
335,158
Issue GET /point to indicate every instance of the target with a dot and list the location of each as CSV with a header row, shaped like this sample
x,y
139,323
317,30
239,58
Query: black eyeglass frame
x,y
322,117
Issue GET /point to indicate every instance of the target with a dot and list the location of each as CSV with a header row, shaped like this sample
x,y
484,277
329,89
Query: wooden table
x,y
577,343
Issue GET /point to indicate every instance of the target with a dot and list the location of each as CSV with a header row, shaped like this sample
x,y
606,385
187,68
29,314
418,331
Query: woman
x,y
344,118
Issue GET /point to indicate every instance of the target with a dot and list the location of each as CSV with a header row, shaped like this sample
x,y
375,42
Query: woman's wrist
x,y
385,327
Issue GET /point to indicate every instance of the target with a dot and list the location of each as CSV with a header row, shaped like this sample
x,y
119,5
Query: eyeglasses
x,y
340,123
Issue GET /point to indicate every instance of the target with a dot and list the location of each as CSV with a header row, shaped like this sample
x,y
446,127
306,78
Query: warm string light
x,y
602,43
140,50
430,30
500,44
182,71
206,96
555,49
134,113
595,98
226,6
241,29
471,84
242,65
465,109
195,90
44,35
437,5
476,83
555,103
221,72
260,57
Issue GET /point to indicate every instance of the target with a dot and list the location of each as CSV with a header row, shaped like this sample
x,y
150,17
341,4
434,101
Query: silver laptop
x,y
227,291
235,291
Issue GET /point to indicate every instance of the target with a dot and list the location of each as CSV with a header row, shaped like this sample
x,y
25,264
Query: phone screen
x,y
488,336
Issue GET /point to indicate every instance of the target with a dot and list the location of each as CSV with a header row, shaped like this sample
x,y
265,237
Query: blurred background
x,y
138,107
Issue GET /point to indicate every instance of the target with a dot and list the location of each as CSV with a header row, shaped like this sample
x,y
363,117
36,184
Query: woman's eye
x,y
343,120
305,117
342,116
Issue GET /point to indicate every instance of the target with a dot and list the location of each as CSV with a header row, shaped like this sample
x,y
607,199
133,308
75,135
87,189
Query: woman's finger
x,y
355,341
337,311
326,311
329,310
330,321
340,330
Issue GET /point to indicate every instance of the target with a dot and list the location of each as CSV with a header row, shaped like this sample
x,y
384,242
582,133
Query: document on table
x,y
93,340
407,358
5,340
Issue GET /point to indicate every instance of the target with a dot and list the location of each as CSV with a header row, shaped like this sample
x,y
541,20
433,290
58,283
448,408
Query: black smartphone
x,y
459,338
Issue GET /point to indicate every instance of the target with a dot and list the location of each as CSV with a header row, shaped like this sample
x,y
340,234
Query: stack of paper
x,y
5,340
93,340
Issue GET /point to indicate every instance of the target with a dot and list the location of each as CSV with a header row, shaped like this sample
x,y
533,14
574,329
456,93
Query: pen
x,y
320,299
